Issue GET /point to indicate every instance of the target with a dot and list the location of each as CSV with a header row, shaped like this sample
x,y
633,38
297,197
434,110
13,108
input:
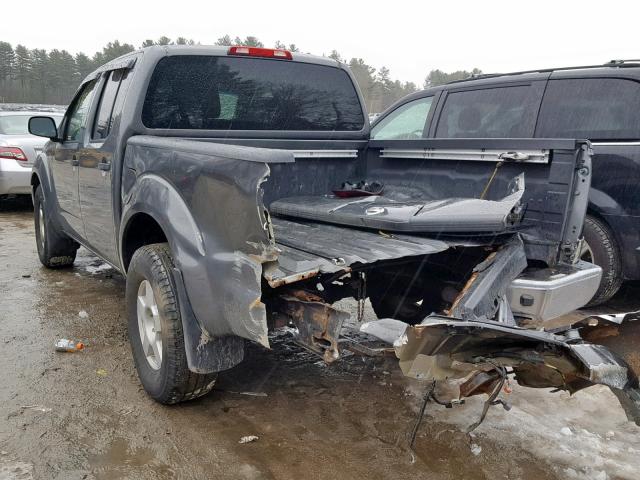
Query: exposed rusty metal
x,y
268,273
317,322
480,382
622,339
462,292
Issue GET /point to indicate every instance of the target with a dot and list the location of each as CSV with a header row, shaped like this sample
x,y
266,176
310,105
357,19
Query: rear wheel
x,y
600,247
55,249
155,329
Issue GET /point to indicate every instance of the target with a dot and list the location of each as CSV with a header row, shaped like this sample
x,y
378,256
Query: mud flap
x,y
205,354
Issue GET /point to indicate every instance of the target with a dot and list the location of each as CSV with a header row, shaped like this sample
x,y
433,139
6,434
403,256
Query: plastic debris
x,y
566,431
476,449
83,314
66,345
38,408
101,372
248,439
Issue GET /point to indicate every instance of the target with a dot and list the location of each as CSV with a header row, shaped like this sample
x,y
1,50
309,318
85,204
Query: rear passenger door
x,y
96,191
507,110
607,112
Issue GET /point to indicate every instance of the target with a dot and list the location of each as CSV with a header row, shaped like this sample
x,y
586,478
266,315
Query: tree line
x,y
40,76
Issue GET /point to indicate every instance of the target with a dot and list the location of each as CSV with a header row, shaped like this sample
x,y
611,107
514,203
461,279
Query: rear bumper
x,y
14,178
545,294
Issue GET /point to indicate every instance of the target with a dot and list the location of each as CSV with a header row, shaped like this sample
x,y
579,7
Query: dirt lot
x,y
84,415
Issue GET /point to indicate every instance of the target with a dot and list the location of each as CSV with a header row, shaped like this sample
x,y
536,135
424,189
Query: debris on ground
x,y
101,372
250,394
83,314
38,408
475,449
248,439
566,431
66,345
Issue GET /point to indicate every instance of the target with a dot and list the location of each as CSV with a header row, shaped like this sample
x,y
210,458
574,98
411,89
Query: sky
x,y
408,37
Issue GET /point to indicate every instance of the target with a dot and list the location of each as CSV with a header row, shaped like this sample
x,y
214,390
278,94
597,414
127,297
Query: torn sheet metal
x,y
619,333
444,348
447,215
307,249
482,296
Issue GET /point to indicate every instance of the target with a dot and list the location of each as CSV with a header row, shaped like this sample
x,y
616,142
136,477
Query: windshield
x,y
228,93
19,124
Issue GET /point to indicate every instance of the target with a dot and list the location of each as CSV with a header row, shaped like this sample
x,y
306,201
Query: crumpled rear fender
x,y
207,198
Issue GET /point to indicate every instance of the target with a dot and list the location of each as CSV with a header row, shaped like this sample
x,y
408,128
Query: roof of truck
x,y
128,59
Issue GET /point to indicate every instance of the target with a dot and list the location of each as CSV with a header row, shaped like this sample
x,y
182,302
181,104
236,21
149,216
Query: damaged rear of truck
x,y
248,196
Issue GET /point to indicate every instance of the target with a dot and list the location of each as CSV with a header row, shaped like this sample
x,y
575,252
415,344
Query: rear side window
x,y
499,112
228,93
406,122
591,108
104,116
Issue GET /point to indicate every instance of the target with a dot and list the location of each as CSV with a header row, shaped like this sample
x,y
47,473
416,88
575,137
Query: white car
x,y
18,148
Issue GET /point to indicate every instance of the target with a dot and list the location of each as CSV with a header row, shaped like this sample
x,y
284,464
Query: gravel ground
x,y
85,416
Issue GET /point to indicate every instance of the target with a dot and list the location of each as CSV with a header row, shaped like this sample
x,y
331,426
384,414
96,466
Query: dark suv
x,y
598,103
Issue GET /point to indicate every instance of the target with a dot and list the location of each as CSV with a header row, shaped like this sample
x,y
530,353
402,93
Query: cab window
x,y
79,112
407,122
498,112
104,117
591,108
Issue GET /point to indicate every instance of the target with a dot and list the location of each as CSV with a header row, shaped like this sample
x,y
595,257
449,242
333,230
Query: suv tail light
x,y
13,153
260,52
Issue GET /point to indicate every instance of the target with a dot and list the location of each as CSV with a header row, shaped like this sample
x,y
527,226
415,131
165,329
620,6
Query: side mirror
x,y
43,127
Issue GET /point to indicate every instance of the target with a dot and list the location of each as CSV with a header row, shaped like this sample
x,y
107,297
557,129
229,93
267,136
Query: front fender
x,y
40,174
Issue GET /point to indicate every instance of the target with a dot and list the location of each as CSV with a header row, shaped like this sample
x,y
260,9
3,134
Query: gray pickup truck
x,y
238,191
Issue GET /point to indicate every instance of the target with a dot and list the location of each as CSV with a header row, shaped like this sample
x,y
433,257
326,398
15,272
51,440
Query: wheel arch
x,y
141,229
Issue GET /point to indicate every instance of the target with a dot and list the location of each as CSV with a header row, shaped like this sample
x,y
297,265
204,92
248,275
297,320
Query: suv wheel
x,y
155,329
55,249
600,247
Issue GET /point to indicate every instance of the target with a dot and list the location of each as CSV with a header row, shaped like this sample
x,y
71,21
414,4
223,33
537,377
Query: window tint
x,y
404,123
126,76
104,117
594,109
79,112
499,112
229,93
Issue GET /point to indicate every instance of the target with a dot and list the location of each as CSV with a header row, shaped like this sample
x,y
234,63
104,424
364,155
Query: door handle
x,y
74,161
104,166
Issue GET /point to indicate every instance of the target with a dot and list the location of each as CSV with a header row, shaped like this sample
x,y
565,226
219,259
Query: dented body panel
x,y
208,200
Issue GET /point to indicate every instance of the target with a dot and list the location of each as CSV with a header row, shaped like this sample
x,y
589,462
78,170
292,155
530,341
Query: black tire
x,y
603,251
172,382
55,249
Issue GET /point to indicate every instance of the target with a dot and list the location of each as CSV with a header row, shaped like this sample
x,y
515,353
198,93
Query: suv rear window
x,y
591,108
228,93
497,112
